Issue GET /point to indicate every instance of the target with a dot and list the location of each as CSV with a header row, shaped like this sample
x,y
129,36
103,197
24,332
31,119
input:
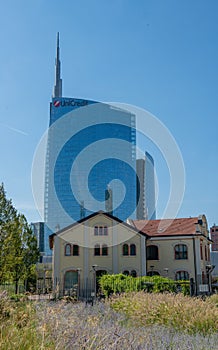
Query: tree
x,y
18,245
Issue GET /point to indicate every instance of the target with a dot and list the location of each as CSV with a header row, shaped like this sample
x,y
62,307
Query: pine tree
x,y
18,245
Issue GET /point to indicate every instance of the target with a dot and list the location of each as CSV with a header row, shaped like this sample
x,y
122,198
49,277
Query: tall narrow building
x,y
214,249
38,229
146,208
214,238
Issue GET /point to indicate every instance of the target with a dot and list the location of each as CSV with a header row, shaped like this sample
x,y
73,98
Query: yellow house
x,y
101,243
97,244
178,248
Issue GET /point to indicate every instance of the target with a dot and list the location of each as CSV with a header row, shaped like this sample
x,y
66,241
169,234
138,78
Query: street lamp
x,y
166,270
44,276
94,267
78,282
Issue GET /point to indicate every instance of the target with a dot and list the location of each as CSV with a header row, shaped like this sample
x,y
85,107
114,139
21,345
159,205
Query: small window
x,y
181,251
126,273
182,275
67,250
132,249
75,250
100,230
152,252
201,251
133,273
97,250
153,273
125,249
104,249
96,231
205,251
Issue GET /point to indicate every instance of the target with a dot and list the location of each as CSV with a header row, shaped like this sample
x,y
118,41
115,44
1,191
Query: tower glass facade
x,y
38,229
90,146
146,188
90,161
149,189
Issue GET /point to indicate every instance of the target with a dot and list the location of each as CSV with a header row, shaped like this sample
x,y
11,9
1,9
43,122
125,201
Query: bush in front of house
x,y
119,283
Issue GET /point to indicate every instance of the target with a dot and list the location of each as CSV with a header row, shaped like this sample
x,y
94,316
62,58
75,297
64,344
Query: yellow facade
x,y
87,263
101,244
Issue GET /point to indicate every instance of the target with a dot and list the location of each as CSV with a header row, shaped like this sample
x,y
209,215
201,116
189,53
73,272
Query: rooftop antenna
x,y
57,92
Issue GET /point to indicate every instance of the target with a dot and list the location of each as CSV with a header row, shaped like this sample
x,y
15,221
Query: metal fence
x,y
10,288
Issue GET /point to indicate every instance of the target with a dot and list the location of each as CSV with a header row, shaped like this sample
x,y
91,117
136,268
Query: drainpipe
x,y
196,276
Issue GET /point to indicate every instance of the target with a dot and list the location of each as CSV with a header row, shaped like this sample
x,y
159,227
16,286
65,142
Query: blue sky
x,y
158,55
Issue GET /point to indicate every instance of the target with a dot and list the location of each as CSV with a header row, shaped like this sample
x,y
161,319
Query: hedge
x,y
119,283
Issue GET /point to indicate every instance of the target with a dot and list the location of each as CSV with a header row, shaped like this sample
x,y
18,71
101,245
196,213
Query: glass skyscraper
x,y
38,230
90,161
146,208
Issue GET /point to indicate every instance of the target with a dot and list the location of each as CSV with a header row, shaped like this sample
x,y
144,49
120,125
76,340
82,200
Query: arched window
x,y
201,250
181,251
152,252
132,249
75,250
97,250
133,273
205,252
125,249
104,249
182,275
153,273
70,279
208,253
67,250
126,273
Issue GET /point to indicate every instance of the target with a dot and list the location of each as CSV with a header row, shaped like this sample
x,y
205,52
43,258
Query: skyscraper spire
x,y
57,92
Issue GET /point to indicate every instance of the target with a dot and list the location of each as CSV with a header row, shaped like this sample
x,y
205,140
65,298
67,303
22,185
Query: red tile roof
x,y
166,227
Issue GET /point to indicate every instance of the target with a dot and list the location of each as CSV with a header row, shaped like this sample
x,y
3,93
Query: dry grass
x,y
142,321
183,313
81,327
18,322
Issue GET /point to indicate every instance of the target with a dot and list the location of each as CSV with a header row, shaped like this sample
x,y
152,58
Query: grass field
x,y
129,321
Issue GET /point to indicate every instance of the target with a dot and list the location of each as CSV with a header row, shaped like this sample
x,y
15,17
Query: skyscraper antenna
x,y
57,92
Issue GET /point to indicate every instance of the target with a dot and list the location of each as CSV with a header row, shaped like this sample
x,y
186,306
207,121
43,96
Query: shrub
x,y
119,283
163,284
184,286
19,297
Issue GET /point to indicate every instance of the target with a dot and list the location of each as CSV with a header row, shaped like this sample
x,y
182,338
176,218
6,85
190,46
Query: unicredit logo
x,y
70,102
56,103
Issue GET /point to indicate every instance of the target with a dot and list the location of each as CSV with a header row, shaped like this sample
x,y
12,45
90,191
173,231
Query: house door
x,y
70,279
